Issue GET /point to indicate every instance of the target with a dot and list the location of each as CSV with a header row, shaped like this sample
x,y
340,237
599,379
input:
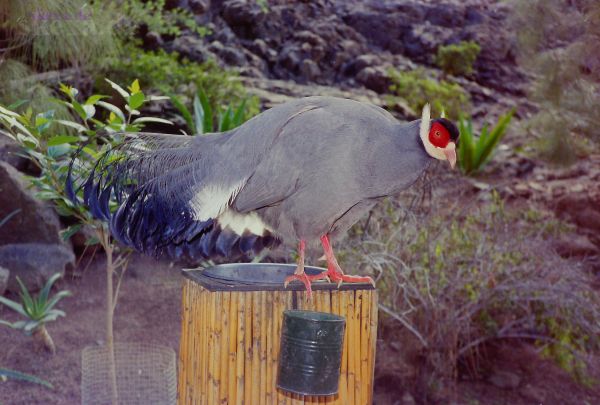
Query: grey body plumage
x,y
306,168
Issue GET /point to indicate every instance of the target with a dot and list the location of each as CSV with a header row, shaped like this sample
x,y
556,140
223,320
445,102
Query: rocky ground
x,y
325,47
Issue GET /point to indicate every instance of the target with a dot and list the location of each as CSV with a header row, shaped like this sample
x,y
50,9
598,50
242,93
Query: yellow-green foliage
x,y
458,59
417,89
170,74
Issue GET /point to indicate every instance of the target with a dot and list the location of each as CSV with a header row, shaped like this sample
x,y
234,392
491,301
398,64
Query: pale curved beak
x,y
450,152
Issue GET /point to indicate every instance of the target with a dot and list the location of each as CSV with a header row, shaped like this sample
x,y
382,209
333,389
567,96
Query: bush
x,y
169,74
458,59
418,89
457,280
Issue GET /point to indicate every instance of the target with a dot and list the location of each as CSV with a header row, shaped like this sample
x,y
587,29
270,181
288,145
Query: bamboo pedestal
x,y
231,335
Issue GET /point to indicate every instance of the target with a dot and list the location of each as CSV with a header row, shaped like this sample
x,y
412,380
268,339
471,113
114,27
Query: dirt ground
x,y
149,311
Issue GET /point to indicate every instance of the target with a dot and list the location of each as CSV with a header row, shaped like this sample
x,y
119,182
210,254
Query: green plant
x,y
417,90
475,152
6,373
38,311
156,18
99,125
170,74
458,59
205,120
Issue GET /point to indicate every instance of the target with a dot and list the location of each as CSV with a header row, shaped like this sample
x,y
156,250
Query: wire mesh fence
x,y
146,374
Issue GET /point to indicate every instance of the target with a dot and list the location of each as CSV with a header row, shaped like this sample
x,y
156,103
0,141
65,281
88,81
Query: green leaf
x,y
185,113
136,99
60,139
93,99
14,306
135,87
225,120
16,104
59,150
59,296
78,127
79,110
207,122
43,295
16,375
118,88
151,119
26,298
67,233
198,115
240,114
112,109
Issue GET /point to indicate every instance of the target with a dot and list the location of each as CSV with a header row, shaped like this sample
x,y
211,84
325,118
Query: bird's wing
x,y
172,194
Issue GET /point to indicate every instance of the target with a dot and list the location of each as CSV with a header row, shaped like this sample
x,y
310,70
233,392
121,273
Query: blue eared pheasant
x,y
303,171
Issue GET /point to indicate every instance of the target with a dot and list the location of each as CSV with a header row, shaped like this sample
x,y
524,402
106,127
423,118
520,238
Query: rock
x,y
575,246
505,379
152,41
191,47
309,69
35,222
360,63
9,151
244,18
198,6
232,56
4,275
407,399
374,78
34,263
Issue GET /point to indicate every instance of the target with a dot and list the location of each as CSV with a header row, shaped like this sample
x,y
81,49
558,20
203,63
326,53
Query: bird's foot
x,y
303,278
339,278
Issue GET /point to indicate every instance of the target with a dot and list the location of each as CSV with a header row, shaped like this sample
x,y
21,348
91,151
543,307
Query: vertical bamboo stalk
x,y
342,308
356,349
269,381
365,335
351,347
373,327
262,345
232,355
241,353
256,328
248,350
223,360
205,300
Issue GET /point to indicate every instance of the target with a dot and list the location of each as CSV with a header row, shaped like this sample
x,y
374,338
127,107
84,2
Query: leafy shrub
x,y
474,153
156,18
418,89
38,311
457,280
458,59
205,120
169,74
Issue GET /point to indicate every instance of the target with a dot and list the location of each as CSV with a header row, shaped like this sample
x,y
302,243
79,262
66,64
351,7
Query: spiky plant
x,y
38,311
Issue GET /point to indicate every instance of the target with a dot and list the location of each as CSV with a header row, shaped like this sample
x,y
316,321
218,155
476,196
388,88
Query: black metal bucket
x,y
311,352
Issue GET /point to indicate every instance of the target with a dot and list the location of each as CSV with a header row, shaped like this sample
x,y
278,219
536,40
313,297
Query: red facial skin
x,y
439,135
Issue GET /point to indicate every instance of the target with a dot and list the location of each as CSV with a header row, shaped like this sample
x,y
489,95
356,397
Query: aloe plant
x,y
202,120
474,152
6,373
38,311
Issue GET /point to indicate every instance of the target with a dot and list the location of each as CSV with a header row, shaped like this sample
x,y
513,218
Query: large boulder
x,y
34,263
35,222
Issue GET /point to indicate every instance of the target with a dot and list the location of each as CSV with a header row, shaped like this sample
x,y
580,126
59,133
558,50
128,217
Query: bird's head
x,y
439,137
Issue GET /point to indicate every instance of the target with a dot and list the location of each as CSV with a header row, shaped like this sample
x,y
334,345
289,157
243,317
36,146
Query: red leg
x,y
334,271
299,273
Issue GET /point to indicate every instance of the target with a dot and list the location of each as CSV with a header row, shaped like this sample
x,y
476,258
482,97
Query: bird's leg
x,y
334,271
299,273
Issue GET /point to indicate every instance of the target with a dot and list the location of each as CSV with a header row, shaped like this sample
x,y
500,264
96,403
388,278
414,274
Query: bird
x,y
297,174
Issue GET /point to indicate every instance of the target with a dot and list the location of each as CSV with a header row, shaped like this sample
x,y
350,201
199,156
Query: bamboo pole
x,y
270,381
365,334
356,348
232,355
256,323
224,347
248,351
239,361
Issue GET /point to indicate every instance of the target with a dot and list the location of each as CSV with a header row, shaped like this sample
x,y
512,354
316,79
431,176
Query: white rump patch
x,y
211,201
238,223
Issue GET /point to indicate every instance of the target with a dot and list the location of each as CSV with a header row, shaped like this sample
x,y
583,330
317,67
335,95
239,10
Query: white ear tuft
x,y
425,123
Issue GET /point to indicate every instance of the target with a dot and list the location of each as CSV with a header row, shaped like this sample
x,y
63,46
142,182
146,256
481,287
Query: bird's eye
x,y
438,134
